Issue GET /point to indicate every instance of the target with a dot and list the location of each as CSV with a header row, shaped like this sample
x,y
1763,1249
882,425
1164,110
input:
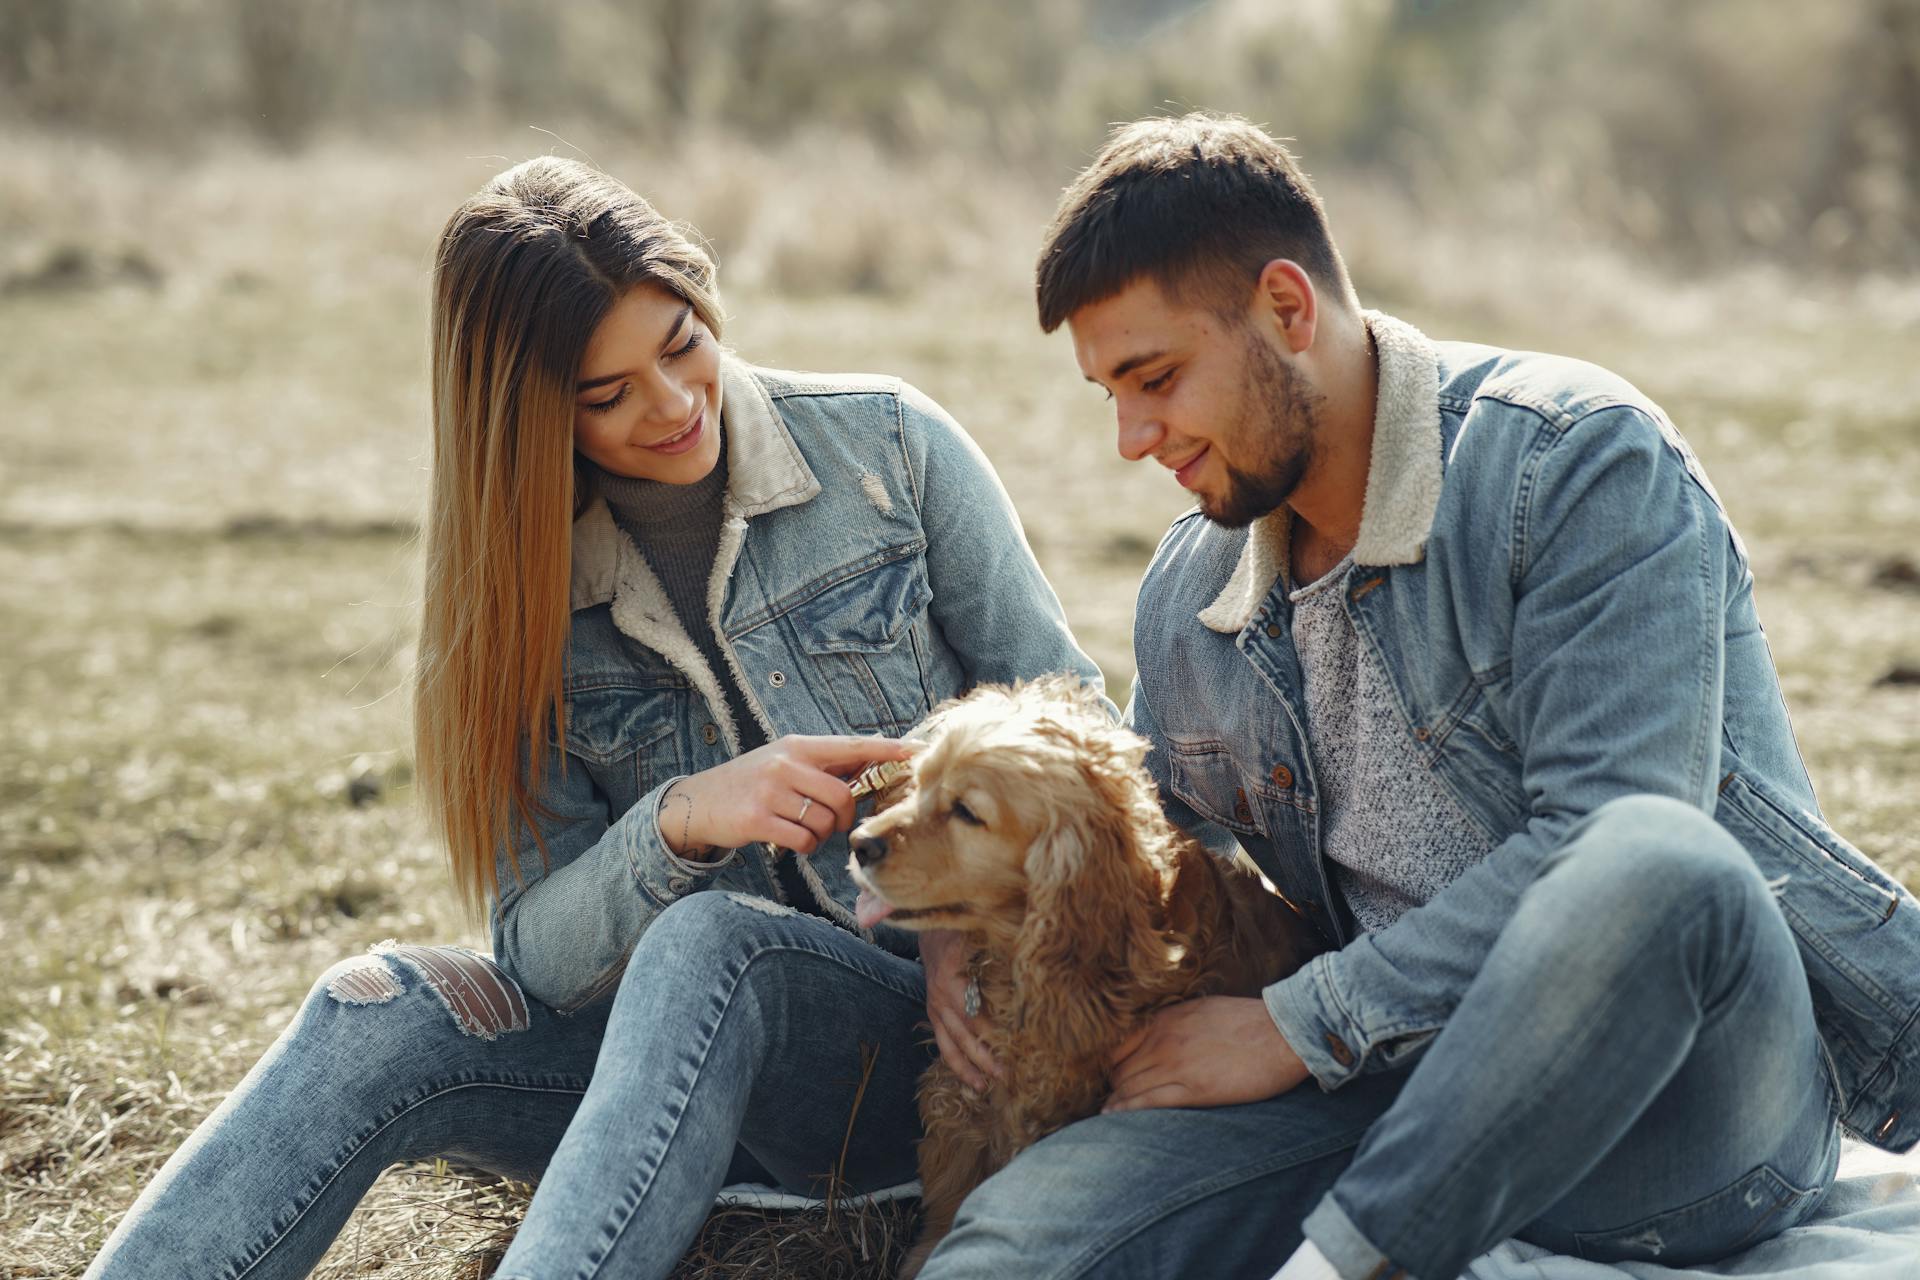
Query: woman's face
x,y
648,401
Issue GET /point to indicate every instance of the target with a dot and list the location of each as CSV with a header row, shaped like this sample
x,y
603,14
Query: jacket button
x,y
679,884
710,734
1421,734
778,679
1242,811
1273,631
1282,776
1338,1048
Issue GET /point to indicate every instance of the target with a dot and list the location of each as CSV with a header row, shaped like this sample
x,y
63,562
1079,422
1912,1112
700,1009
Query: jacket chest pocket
x,y
866,640
624,734
1204,775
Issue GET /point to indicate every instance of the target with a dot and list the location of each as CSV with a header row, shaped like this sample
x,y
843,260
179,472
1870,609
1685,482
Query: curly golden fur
x,y
1030,825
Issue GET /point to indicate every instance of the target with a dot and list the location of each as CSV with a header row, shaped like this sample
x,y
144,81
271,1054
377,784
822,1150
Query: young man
x,y
1461,647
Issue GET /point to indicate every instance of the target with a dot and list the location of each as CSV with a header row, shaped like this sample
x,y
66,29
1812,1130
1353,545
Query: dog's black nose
x,y
869,850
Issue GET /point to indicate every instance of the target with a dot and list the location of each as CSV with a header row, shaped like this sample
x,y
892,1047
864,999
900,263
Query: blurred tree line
x,y
1707,131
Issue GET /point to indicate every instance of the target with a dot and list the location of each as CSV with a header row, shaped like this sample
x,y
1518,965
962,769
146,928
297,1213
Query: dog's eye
x,y
966,815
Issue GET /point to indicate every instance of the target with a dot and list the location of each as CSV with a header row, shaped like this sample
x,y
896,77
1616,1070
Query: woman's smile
x,y
662,420
685,438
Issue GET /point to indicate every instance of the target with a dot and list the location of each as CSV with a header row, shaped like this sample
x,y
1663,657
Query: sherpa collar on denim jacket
x,y
764,473
1403,478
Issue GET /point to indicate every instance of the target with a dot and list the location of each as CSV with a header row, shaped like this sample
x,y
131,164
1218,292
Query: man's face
x,y
1214,401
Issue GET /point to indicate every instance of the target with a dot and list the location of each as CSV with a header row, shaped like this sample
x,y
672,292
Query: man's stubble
x,y
1274,431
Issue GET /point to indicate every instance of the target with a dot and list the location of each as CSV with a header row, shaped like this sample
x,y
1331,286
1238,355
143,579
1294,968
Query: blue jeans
x,y
1633,1074
731,1050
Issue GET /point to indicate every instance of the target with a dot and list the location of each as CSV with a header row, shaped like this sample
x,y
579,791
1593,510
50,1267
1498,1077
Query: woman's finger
x,y
843,753
956,1061
959,1029
832,799
975,1047
804,810
785,833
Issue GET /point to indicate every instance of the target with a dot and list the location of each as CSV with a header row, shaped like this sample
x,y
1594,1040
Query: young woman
x,y
672,601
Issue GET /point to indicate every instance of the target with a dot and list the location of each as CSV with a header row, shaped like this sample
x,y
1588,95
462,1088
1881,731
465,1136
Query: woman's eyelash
x,y
606,406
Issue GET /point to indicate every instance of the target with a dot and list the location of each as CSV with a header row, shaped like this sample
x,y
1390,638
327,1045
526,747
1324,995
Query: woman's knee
x,y
707,932
402,1011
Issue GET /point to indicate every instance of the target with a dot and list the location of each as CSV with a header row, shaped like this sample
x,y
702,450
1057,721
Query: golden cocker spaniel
x,y
1030,825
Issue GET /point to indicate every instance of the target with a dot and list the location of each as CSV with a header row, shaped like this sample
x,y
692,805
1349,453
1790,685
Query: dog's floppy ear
x,y
1091,923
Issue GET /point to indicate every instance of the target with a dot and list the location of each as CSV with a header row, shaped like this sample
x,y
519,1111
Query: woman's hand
x,y
945,953
787,793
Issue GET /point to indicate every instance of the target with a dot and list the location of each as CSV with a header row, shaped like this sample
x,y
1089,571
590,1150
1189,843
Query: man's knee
x,y
1653,853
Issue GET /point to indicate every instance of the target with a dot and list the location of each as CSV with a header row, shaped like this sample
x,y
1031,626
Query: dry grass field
x,y
212,413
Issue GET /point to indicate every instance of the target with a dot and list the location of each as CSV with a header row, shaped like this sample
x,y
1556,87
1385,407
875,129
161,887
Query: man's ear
x,y
1285,297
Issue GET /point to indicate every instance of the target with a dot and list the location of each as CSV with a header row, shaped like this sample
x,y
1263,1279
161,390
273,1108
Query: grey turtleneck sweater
x,y
677,528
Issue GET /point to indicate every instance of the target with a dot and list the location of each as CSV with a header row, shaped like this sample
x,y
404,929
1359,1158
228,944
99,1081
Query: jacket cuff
x,y
664,874
1315,1025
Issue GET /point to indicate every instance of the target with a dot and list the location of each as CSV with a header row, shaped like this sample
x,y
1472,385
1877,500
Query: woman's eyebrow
x,y
673,331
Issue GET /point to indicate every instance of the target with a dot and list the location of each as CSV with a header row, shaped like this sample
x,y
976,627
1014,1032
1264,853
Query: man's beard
x,y
1277,425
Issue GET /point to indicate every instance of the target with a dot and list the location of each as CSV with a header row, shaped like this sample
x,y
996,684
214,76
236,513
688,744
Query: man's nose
x,y
1138,436
869,849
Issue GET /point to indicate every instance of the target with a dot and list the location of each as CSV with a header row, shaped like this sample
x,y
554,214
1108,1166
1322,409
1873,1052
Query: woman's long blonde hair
x,y
524,273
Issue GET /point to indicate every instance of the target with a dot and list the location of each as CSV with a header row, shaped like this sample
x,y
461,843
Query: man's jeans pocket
x,y
1758,1205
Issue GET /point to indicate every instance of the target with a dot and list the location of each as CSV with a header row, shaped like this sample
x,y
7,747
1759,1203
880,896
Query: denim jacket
x,y
1565,616
869,566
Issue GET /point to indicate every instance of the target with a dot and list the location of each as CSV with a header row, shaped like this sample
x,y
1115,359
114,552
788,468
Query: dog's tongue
x,y
870,909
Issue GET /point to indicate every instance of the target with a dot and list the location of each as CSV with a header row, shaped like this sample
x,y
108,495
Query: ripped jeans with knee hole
x,y
732,1050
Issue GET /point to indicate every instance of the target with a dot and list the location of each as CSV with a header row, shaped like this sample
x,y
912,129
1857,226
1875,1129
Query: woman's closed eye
x,y
686,348
606,406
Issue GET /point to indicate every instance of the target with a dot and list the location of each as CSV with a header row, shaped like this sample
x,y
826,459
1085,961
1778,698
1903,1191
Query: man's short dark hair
x,y
1197,203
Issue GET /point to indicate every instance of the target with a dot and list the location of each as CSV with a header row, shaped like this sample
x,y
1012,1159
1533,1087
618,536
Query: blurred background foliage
x,y
1704,132
216,231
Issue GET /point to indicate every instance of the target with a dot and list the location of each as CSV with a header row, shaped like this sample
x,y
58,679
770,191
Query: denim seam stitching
x,y
807,592
1424,1220
1706,741
1100,1247
726,1003
270,1245
906,457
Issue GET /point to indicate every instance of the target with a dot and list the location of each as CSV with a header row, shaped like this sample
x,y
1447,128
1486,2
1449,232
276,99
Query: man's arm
x,y
1618,572
1619,566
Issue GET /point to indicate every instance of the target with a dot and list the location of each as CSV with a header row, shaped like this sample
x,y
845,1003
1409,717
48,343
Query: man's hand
x,y
945,953
1209,1052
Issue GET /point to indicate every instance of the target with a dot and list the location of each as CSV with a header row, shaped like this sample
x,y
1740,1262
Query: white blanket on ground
x,y
1868,1228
